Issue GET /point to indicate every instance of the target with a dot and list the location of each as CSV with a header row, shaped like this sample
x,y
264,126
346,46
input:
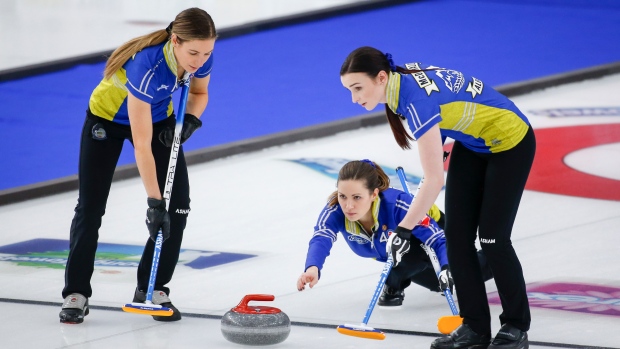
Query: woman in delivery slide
x,y
133,101
365,211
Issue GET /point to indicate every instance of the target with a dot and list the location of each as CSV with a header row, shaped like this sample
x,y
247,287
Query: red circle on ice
x,y
550,174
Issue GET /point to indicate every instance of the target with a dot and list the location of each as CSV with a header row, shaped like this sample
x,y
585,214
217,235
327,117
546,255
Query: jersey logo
x,y
422,79
162,87
453,79
475,87
385,236
357,239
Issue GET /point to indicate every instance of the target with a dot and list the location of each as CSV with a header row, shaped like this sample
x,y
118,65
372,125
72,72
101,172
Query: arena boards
x,y
252,216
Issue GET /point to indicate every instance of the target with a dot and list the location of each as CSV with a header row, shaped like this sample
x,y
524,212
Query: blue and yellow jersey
x,y
466,109
150,76
388,209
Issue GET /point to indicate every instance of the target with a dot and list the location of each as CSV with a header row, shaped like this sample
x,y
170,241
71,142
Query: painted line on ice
x,y
299,323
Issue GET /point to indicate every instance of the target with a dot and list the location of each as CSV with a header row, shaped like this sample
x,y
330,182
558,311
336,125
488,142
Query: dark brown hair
x,y
367,171
370,61
190,24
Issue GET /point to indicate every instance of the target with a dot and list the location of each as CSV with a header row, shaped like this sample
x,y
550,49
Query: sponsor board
x,y
53,253
580,112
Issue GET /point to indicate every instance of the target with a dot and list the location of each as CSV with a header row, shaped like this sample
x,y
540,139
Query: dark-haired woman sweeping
x,y
491,159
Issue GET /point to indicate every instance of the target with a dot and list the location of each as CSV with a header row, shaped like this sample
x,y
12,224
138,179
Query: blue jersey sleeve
x,y
205,70
325,234
421,117
141,78
418,105
318,250
432,235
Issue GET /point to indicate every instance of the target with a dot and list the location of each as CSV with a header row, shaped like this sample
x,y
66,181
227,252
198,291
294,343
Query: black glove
x,y
403,233
398,244
157,218
445,279
190,124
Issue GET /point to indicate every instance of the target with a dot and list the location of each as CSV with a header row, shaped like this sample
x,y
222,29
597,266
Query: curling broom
x,y
363,330
445,324
148,308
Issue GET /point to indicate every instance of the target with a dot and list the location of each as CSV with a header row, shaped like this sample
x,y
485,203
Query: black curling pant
x,y
416,267
98,158
483,192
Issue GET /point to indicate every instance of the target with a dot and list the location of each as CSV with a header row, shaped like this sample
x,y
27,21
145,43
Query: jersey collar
x,y
355,228
392,92
171,61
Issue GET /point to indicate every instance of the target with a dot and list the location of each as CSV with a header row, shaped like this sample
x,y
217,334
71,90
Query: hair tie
x,y
169,28
390,61
369,162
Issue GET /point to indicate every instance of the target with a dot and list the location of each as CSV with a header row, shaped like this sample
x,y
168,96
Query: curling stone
x,y
255,325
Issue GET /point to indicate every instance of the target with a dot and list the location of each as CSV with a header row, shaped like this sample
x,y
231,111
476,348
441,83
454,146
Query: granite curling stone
x,y
255,325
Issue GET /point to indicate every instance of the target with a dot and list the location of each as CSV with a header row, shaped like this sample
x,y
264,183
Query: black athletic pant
x,y
483,192
416,267
100,148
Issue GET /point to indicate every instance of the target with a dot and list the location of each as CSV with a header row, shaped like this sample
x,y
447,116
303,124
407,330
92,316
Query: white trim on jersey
x,y
323,230
424,124
147,76
469,112
437,234
326,233
414,116
402,205
138,90
204,75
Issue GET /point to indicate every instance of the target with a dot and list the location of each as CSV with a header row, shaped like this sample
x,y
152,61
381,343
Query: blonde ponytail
x,y
130,48
190,24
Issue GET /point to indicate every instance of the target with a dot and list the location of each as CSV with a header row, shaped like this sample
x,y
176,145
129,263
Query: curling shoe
x,y
159,298
391,297
462,338
74,308
510,337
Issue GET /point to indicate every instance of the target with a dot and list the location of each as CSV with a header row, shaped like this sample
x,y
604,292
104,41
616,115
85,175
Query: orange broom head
x,y
361,331
447,324
147,309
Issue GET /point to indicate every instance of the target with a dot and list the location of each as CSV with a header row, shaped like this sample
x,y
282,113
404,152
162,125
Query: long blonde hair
x,y
190,24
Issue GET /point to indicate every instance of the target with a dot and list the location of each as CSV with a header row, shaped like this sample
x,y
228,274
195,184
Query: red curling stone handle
x,y
244,308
